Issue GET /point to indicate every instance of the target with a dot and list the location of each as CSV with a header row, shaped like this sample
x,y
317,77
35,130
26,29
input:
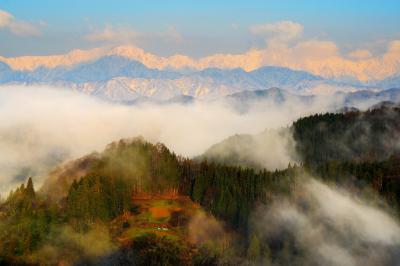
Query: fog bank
x,y
41,127
329,226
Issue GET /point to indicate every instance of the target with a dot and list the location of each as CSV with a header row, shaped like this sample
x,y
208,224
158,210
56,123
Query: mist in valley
x,y
43,127
324,224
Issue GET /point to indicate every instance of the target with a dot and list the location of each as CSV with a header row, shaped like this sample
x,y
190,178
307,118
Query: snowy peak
x,y
347,72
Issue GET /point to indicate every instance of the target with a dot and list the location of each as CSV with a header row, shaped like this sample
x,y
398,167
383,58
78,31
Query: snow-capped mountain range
x,y
122,79
125,74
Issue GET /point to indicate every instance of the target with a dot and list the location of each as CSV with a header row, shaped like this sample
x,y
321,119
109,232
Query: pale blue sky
x,y
195,28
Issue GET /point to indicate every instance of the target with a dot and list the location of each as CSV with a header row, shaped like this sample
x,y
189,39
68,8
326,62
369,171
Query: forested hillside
x,y
372,135
114,185
369,135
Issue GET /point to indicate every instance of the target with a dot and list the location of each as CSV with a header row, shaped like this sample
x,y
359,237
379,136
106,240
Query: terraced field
x,y
158,215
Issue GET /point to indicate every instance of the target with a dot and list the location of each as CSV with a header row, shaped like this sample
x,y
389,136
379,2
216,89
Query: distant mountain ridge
x,y
119,78
390,82
392,95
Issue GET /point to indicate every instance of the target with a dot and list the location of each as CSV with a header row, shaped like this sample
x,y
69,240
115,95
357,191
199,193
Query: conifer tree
x,y
30,191
253,252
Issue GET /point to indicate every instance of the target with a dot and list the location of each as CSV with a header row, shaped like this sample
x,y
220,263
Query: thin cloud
x,y
112,34
17,27
125,34
171,34
360,54
282,30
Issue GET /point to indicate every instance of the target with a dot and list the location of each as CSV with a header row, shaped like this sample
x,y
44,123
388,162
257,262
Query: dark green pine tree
x,y
30,191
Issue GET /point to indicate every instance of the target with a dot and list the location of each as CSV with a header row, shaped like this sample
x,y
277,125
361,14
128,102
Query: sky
x,y
193,28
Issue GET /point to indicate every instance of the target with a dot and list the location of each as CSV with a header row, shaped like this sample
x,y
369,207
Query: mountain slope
x,y
271,149
283,77
390,82
6,73
353,135
352,98
271,95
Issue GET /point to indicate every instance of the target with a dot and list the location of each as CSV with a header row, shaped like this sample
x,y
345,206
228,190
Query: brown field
x,y
160,212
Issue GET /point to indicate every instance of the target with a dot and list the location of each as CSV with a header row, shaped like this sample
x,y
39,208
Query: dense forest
x,y
369,135
361,147
139,202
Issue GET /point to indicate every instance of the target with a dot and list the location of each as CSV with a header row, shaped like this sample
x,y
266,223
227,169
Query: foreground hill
x,y
148,167
136,191
137,203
